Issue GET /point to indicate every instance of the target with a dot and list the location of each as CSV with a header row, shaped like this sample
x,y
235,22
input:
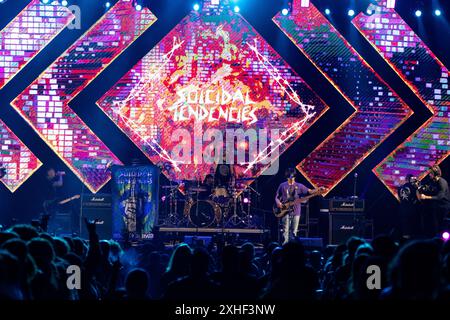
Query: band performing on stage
x,y
222,201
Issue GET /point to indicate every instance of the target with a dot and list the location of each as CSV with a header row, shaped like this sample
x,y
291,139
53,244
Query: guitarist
x,y
290,191
51,189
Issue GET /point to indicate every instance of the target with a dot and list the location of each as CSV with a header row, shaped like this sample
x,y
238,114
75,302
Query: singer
x,y
52,190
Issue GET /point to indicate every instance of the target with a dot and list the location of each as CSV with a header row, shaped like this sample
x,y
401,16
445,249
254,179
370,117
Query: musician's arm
x,y
277,199
308,191
59,182
440,195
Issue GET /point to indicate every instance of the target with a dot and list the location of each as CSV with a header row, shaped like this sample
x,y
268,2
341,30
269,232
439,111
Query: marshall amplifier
x,y
97,206
343,225
345,205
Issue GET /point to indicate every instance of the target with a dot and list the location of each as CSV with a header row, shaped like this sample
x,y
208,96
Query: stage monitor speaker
x,y
60,224
343,225
97,206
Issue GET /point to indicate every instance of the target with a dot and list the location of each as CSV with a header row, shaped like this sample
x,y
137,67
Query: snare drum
x,y
221,196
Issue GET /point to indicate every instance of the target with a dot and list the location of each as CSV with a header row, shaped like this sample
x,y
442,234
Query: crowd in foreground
x,y
33,266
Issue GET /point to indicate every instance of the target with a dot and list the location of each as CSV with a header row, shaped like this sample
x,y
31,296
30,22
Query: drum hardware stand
x,y
249,223
235,219
172,218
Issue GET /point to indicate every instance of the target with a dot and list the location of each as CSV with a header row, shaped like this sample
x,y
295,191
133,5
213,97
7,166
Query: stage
x,y
182,94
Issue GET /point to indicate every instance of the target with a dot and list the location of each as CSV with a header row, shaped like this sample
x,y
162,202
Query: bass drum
x,y
203,213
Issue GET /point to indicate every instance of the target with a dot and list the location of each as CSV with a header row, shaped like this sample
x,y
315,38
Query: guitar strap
x,y
291,193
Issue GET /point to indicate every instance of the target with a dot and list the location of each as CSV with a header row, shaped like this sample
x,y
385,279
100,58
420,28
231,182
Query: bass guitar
x,y
288,206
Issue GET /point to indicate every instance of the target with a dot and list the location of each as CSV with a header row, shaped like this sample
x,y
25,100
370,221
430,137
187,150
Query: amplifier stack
x,y
345,217
97,207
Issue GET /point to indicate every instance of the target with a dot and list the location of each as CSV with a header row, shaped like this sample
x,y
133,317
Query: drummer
x,y
224,174
208,185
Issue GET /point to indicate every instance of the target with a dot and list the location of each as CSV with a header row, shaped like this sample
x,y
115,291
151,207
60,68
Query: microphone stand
x,y
354,186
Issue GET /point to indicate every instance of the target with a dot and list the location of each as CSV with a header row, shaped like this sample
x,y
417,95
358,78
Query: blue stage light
x,y
236,9
196,7
45,1
437,12
351,12
418,13
369,11
138,7
327,11
107,4
284,12
65,3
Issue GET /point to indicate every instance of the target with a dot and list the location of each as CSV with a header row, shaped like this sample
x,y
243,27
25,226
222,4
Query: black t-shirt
x,y
51,192
442,195
407,194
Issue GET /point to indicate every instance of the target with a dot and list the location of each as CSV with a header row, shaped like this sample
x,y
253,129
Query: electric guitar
x,y
51,204
287,206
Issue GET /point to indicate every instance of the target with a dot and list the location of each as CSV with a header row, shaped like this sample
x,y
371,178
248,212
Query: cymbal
x,y
169,187
197,189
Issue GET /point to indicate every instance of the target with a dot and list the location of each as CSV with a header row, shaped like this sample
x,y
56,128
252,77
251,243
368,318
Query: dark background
x,y
25,203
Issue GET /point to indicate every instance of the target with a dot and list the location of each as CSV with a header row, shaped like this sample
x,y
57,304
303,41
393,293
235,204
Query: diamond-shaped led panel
x,y
29,32
213,71
20,163
379,111
45,103
425,74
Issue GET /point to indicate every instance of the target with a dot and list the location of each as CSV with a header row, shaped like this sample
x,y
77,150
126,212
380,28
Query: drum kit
x,y
190,203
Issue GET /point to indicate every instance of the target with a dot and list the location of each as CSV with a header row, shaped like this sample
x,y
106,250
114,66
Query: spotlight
x,y
445,235
369,11
236,9
137,5
196,7
246,200
418,13
304,3
107,4
3,1
327,11
45,1
64,3
437,12
351,12
284,12
390,4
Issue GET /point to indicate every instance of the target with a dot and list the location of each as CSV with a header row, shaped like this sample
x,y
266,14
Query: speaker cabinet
x,y
60,224
97,207
343,225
